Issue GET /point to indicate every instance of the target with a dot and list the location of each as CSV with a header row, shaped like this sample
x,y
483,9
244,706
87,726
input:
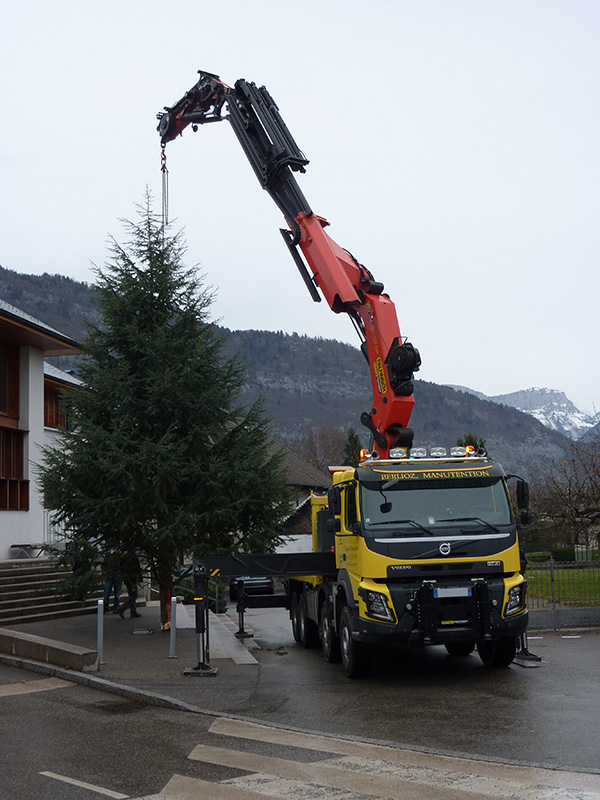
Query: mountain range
x,y
551,407
309,382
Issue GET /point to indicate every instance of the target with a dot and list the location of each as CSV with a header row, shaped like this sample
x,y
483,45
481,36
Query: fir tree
x,y
472,440
352,449
159,459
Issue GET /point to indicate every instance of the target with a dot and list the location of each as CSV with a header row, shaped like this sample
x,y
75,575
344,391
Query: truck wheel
x,y
357,657
329,639
294,616
499,653
460,648
307,628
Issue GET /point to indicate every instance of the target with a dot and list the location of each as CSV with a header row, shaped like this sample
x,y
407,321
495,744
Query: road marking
x,y
570,637
181,787
428,768
370,783
89,786
28,687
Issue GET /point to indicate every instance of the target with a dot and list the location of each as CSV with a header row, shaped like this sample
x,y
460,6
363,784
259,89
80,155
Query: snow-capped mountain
x,y
551,407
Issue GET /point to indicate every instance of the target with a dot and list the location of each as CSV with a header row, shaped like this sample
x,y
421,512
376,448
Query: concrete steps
x,y
29,592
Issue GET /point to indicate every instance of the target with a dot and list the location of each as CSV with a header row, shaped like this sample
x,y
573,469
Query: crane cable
x,y
165,189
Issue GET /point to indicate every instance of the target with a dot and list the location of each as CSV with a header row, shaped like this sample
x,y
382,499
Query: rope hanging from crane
x,y
165,188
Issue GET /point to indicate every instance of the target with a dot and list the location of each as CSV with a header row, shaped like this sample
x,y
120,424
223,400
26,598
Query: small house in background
x,y
31,413
304,478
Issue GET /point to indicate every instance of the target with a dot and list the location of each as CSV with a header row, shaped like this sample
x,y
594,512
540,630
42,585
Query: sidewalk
x,y
138,664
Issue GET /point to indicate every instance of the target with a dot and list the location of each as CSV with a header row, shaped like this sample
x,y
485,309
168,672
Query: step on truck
x,y
413,545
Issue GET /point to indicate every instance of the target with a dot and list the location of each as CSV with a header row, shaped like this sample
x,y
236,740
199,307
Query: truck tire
x,y
307,628
357,657
499,653
459,648
330,641
294,616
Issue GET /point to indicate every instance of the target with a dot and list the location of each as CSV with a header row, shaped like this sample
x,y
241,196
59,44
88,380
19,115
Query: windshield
x,y
425,507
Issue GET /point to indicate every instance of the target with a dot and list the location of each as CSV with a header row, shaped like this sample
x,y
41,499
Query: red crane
x,y
346,285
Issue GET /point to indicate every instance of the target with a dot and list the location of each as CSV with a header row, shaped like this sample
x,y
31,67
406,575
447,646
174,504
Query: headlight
x,y
516,599
377,606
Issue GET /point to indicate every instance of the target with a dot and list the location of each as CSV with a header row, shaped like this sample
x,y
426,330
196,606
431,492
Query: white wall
x,y
18,527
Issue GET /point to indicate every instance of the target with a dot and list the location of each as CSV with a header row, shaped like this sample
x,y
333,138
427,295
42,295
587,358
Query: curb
x,y
103,685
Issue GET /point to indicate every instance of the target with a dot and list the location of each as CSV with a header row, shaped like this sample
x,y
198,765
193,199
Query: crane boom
x,y
326,268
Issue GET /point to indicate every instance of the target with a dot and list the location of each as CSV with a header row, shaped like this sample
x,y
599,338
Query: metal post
x,y
201,603
173,633
100,644
553,592
240,608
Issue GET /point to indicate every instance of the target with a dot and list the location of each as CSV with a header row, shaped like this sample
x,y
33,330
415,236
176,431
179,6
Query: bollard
x,y
100,644
173,636
201,603
240,608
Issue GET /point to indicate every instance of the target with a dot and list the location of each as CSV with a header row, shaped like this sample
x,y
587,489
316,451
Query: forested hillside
x,y
310,383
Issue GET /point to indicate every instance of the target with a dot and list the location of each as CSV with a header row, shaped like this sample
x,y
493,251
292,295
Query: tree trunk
x,y
165,608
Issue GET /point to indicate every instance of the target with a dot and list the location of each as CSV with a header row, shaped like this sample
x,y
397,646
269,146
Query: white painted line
x,y
227,645
28,687
83,785
570,637
424,767
181,787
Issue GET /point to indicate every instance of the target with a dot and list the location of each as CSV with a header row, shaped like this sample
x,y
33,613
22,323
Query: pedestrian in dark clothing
x,y
112,578
132,576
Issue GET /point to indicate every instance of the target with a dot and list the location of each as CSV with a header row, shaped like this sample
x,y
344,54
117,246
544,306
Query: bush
x,y
538,558
563,554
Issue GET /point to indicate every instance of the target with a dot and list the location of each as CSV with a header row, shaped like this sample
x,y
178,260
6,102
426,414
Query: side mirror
x,y
526,518
334,499
523,495
333,525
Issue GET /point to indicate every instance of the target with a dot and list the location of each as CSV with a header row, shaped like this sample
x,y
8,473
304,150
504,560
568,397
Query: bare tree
x,y
323,446
567,498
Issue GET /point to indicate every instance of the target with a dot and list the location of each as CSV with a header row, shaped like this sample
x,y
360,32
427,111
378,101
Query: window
x,y
3,381
425,507
54,407
14,489
351,516
9,382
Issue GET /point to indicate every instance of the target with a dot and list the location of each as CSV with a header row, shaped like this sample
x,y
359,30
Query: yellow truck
x,y
426,551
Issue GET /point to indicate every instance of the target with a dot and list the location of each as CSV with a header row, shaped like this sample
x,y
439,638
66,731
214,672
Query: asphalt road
x,y
62,740
425,699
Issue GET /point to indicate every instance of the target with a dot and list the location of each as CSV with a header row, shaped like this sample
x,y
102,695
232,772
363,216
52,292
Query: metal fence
x,y
563,584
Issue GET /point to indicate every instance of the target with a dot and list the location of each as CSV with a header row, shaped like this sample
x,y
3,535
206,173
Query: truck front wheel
x,y
329,639
357,657
499,653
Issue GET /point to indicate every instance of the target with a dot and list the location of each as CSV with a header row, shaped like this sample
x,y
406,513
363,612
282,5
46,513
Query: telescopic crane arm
x,y
346,285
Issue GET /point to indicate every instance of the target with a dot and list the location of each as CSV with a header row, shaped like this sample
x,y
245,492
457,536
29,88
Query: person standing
x,y
131,573
112,578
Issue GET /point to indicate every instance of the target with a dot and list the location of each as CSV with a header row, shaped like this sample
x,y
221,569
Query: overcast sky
x,y
453,148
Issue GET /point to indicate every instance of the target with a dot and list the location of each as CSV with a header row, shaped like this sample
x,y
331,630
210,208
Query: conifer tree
x,y
159,460
352,449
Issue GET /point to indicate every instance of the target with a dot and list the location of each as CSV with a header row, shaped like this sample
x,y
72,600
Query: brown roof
x,y
300,473
19,329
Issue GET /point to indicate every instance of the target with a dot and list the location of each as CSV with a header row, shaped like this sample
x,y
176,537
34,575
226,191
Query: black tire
x,y
499,653
307,628
294,614
330,641
460,648
357,657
